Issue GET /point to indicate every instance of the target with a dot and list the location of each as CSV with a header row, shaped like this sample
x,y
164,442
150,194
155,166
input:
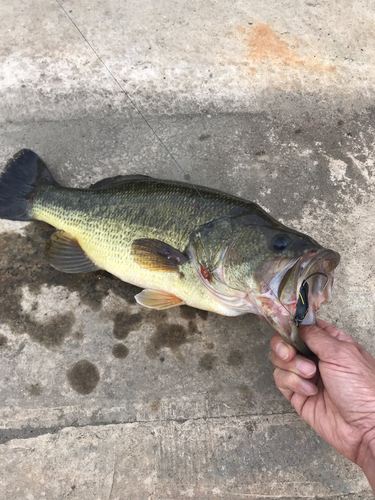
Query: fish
x,y
180,243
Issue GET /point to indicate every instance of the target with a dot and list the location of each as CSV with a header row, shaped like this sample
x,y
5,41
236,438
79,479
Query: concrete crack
x,y
29,432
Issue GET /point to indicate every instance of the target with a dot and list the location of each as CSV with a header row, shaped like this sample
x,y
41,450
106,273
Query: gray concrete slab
x,y
101,398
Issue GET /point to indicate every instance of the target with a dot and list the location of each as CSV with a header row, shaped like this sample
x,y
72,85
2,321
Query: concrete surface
x,y
101,399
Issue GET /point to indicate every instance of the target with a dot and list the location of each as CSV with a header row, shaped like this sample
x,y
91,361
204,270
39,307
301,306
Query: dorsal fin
x,y
65,254
110,182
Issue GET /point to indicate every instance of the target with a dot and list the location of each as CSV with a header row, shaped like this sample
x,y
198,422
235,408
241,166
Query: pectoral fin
x,y
65,254
158,299
156,255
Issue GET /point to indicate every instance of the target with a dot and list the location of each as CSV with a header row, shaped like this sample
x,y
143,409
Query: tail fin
x,y
19,183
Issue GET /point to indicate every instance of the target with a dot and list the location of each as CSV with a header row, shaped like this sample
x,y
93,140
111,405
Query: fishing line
x,y
159,139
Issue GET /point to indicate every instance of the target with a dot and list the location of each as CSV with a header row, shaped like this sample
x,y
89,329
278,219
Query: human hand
x,y
336,397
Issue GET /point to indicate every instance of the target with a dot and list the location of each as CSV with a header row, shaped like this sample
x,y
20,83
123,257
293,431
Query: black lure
x,y
302,304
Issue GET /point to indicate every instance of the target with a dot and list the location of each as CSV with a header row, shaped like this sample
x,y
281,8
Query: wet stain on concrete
x,y
120,351
235,358
3,341
192,326
208,345
53,332
22,263
83,376
167,335
251,426
35,390
191,313
202,314
204,137
245,392
124,323
155,405
207,361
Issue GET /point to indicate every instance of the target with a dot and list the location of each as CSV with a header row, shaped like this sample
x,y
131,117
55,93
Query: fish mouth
x,y
304,286
315,268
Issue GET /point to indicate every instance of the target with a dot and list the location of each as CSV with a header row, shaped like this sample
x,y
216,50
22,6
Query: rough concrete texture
x,y
103,399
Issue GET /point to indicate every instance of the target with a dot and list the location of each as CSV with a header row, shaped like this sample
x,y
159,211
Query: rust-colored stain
x,y
265,45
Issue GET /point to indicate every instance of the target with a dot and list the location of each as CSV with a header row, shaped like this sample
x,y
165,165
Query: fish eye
x,y
280,242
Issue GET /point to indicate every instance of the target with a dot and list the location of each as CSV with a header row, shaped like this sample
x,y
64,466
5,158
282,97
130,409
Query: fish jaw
x,y
279,303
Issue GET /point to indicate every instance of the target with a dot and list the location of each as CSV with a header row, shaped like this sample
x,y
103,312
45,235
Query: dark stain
x,y
192,326
35,390
22,263
202,314
190,313
298,131
245,392
53,332
3,340
83,376
79,333
124,323
251,426
120,351
204,137
207,361
235,358
154,315
209,345
187,312
155,405
216,390
167,335
260,153
340,122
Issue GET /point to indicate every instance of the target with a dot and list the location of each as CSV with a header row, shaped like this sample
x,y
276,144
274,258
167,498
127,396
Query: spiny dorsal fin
x,y
158,299
156,255
110,182
65,254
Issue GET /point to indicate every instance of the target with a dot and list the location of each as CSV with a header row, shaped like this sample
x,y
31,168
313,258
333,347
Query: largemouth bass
x,y
202,248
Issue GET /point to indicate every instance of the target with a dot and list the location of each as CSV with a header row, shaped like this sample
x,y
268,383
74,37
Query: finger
x,y
340,335
287,393
290,381
301,366
283,350
322,343
334,331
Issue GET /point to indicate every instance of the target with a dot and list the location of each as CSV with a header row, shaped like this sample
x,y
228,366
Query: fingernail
x,y
309,388
282,350
307,368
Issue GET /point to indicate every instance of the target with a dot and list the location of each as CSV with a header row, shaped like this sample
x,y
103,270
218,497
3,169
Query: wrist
x,y
366,457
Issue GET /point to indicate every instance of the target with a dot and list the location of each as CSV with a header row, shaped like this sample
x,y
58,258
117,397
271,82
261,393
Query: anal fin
x,y
65,254
158,299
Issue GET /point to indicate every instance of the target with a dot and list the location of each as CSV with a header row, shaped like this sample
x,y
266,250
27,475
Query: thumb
x,y
321,343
